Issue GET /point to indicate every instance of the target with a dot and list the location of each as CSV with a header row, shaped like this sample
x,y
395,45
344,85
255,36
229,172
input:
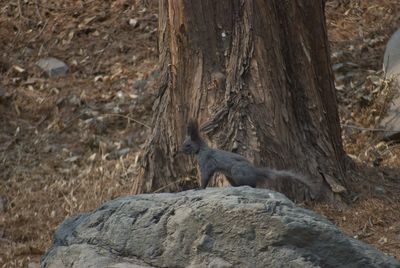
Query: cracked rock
x,y
216,227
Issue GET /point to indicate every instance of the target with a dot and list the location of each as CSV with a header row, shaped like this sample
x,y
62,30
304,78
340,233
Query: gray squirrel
x,y
238,170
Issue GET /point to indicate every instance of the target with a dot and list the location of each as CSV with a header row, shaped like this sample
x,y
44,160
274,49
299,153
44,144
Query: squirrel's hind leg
x,y
232,181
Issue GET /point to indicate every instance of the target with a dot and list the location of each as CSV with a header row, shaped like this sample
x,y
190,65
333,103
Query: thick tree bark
x,y
256,74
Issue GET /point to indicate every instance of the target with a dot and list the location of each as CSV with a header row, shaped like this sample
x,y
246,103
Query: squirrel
x,y
238,170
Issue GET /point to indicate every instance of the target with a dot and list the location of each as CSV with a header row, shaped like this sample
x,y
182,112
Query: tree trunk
x,y
257,76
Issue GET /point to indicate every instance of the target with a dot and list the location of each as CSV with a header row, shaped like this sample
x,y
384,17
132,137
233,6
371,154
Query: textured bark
x,y
257,76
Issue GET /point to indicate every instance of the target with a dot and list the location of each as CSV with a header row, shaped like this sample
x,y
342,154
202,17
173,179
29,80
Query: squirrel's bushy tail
x,y
282,179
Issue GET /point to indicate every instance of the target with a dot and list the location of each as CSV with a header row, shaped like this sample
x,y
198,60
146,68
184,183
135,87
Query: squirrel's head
x,y
192,142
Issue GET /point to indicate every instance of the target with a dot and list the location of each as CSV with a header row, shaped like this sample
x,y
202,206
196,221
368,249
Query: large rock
x,y
391,65
217,227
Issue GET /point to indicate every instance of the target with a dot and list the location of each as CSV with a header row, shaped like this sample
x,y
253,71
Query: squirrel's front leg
x,y
205,178
206,170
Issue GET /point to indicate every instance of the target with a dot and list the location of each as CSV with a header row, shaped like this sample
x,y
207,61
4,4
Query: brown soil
x,y
67,144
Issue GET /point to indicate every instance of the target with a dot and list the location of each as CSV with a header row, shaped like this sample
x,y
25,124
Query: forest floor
x,y
70,143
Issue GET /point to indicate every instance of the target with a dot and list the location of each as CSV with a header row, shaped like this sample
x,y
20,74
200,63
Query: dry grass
x,y
68,144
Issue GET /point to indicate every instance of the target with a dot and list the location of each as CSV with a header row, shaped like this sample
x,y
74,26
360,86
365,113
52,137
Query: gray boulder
x,y
391,66
217,227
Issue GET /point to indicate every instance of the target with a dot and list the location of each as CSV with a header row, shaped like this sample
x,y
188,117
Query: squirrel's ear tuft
x,y
193,130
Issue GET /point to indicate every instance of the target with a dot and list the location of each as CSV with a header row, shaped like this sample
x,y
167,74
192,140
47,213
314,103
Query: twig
x,y
16,36
20,11
130,118
96,60
370,129
37,10
393,147
69,123
169,184
40,32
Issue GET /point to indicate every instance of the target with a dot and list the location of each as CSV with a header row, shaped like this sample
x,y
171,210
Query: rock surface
x,y
217,227
391,59
52,66
391,65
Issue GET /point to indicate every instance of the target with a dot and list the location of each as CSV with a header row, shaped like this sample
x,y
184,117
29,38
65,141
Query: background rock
x,y
391,65
52,66
391,60
217,227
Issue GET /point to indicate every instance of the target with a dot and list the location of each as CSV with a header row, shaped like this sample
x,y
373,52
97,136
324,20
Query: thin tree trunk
x,y
256,74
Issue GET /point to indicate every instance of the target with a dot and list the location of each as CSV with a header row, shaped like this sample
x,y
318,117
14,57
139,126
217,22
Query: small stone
x,y
133,22
52,66
50,148
2,92
123,152
72,158
33,265
140,85
155,74
380,190
2,205
120,95
74,100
